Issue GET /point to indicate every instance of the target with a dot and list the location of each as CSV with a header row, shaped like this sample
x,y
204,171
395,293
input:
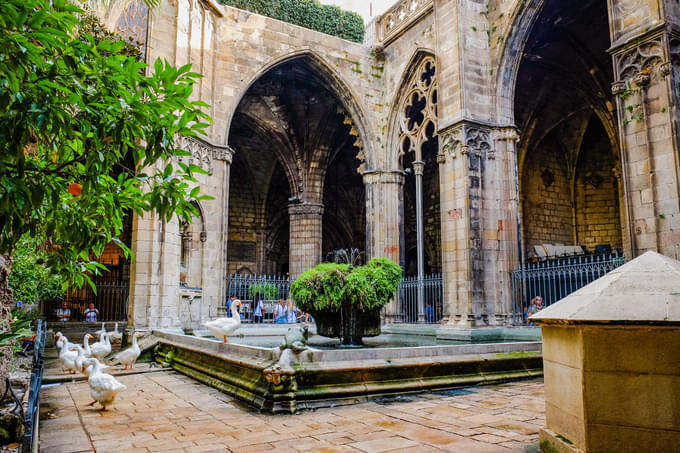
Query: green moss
x,y
516,355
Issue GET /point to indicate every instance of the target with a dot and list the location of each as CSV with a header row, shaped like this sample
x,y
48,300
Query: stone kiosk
x,y
611,354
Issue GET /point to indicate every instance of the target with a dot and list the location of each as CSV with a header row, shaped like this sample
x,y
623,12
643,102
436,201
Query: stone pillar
x,y
500,246
462,149
418,169
306,221
384,193
383,218
645,53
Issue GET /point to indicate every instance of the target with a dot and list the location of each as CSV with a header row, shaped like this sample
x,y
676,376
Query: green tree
x,y
87,134
31,280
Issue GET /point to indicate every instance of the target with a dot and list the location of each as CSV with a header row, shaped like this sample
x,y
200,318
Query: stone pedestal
x,y
610,354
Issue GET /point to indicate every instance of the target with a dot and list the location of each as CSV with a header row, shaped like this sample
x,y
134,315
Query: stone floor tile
x,y
384,444
165,411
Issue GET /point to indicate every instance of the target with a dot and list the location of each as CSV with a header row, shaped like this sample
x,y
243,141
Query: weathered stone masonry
x,y
565,115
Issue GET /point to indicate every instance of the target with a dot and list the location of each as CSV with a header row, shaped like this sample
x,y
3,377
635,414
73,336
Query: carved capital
x,y
419,167
509,134
384,177
618,87
467,139
305,209
224,153
201,152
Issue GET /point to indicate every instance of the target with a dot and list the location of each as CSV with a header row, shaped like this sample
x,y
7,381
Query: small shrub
x,y
267,291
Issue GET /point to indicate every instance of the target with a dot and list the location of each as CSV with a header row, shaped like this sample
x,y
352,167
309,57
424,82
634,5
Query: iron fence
x,y
31,417
407,308
111,300
249,288
556,279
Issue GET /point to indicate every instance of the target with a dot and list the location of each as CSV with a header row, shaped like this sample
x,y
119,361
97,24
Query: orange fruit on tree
x,y
75,189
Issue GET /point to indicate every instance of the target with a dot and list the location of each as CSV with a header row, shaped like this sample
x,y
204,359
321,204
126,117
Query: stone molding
x,y
305,209
400,17
203,153
384,177
465,139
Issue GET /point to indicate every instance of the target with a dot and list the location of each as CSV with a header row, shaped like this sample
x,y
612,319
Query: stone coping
x,y
643,292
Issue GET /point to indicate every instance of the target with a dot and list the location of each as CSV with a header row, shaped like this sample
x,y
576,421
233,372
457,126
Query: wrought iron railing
x,y
249,288
556,279
111,300
31,417
407,308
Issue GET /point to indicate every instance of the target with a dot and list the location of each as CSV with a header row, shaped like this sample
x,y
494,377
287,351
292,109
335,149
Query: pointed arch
x,y
419,56
524,17
333,82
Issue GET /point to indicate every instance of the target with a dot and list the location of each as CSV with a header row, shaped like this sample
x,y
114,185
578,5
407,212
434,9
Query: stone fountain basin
x,y
324,378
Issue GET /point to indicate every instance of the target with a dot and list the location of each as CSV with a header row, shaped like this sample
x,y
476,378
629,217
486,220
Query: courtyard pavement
x,y
168,412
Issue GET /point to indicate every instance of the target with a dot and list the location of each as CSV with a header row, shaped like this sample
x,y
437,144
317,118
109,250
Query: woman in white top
x,y
291,313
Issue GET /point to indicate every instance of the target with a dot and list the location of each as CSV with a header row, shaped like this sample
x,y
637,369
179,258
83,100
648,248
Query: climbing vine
x,y
307,13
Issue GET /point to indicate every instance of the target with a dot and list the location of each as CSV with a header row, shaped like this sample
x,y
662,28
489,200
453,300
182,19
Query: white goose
x,y
116,337
68,356
129,356
62,341
78,362
86,345
103,387
101,349
101,332
223,327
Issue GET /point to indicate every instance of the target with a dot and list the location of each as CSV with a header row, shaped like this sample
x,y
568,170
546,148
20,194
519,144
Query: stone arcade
x,y
472,112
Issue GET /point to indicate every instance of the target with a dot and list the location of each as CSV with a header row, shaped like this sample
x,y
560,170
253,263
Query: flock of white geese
x,y
88,360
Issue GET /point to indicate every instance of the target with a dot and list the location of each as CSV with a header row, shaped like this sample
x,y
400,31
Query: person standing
x,y
535,307
63,313
280,313
291,312
258,312
91,314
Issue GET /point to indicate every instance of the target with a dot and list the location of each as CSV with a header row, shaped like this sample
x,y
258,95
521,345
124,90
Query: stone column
x,y
418,169
647,96
383,218
500,246
384,193
306,221
462,148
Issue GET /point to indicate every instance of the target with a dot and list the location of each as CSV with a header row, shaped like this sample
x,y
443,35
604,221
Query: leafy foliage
x,y
79,120
372,285
327,285
28,268
320,288
267,291
19,327
308,13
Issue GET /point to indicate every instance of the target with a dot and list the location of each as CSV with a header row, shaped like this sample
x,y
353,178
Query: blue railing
x,y
556,279
407,308
31,419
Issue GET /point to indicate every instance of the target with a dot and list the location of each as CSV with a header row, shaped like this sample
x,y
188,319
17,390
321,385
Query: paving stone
x,y
165,411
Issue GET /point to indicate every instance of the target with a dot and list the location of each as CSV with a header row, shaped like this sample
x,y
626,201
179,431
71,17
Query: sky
x,y
363,7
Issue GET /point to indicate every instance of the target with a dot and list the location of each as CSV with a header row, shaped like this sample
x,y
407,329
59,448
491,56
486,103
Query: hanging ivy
x,y
309,14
